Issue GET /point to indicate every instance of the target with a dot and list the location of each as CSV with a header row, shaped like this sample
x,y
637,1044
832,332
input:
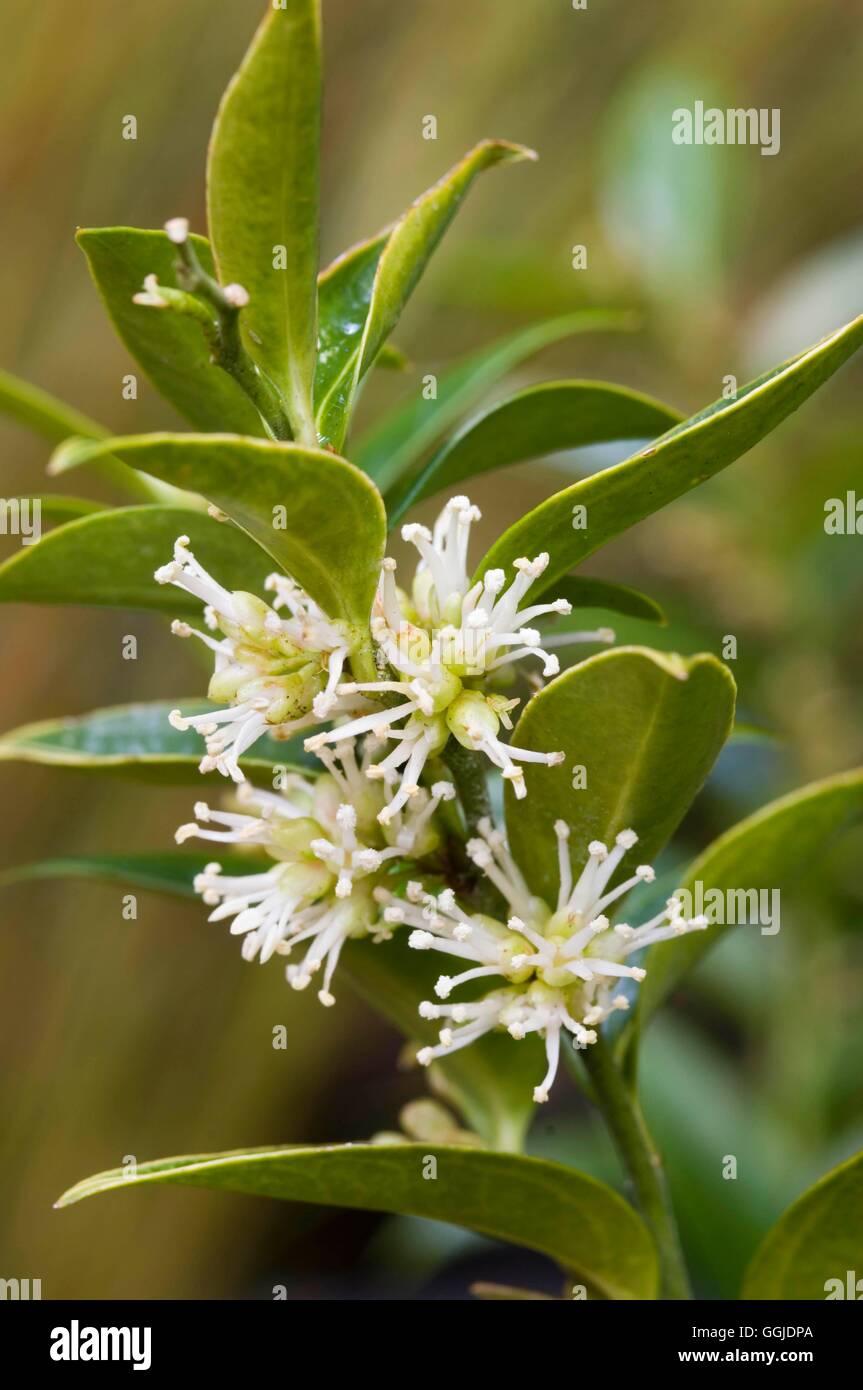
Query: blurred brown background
x,y
153,1037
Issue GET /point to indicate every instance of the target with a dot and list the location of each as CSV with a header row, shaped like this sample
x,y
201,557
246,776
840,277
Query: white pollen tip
x,y
626,839
327,999
425,1056
605,634
561,829
421,940
597,850
177,229
237,296
540,1095
427,1009
646,873
176,720
638,974
443,987
554,759
180,629
185,832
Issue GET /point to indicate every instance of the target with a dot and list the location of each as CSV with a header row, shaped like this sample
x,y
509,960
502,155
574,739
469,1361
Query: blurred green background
x,y
152,1037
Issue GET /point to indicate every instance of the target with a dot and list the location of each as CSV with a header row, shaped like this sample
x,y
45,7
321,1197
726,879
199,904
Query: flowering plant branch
x,y
406,774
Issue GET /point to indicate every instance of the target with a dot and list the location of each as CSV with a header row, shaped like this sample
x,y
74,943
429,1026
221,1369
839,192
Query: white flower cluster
x,y
438,648
327,848
336,843
562,965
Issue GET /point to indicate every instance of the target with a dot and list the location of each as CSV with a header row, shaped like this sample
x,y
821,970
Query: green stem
x,y
468,771
228,350
642,1161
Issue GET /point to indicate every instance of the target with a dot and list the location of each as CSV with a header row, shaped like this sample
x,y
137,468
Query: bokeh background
x,y
152,1037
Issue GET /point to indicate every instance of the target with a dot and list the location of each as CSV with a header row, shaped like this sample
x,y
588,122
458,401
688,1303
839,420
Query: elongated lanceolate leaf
x,y
108,558
542,420
580,1223
574,523
262,195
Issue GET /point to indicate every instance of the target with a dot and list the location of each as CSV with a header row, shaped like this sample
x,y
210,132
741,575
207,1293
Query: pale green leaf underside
x,y
766,851
317,516
578,1222
137,741
817,1240
646,726
689,454
262,194
109,558
541,420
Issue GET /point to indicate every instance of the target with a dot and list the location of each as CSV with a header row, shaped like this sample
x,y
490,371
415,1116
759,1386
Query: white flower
x,y
272,673
443,644
327,853
562,964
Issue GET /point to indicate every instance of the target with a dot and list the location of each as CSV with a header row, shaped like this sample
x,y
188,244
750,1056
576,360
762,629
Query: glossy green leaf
x,y
172,874
312,512
399,258
813,1251
344,295
109,559
694,451
647,727
583,591
392,448
580,1223
767,850
262,196
491,1082
137,741
171,349
541,420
